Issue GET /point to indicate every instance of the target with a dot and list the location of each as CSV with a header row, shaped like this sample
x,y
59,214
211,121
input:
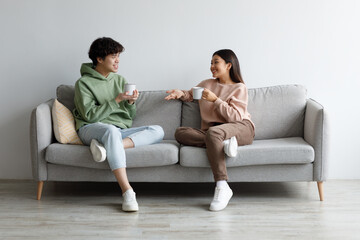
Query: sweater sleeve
x,y
235,108
86,105
131,108
188,97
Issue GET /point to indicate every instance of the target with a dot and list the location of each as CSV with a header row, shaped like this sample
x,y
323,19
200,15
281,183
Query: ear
x,y
100,60
228,66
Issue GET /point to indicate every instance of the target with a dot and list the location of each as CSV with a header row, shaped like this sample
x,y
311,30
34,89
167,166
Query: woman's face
x,y
219,67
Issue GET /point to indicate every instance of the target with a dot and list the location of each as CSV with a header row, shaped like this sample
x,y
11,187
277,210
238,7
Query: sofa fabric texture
x,y
290,142
162,154
262,152
278,112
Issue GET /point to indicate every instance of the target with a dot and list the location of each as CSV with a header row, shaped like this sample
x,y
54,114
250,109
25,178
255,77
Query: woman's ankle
x,y
222,183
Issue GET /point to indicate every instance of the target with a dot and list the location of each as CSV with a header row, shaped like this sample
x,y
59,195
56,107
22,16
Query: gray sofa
x,y
290,142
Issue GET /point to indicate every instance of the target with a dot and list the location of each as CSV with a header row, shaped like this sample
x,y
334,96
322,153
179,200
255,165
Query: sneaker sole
x,y
231,150
130,208
98,154
219,209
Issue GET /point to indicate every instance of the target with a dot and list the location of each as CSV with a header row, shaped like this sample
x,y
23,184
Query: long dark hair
x,y
230,57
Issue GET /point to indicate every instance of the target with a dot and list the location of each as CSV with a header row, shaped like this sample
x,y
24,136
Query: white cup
x,y
130,88
197,92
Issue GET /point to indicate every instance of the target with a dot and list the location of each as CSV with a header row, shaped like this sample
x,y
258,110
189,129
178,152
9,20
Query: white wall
x,y
169,45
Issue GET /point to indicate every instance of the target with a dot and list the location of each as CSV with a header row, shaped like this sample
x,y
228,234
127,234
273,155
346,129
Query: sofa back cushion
x,y
65,94
151,109
277,111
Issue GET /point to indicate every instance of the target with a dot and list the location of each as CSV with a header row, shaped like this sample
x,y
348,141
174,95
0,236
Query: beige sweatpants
x,y
212,139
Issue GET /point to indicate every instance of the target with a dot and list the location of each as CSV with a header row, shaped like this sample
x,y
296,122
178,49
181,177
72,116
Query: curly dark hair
x,y
102,47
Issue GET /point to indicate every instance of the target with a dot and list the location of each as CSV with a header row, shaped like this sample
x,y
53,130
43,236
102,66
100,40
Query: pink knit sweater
x,y
231,105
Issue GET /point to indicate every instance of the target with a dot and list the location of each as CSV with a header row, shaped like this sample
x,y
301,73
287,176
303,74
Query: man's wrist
x,y
117,100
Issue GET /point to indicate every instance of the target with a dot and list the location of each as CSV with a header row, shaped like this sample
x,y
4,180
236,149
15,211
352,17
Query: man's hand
x,y
130,98
174,94
209,95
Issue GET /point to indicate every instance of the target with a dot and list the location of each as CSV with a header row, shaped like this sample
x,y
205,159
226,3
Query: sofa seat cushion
x,y
262,152
161,154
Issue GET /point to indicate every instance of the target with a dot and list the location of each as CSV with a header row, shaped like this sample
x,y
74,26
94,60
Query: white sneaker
x,y
98,151
129,203
231,146
221,199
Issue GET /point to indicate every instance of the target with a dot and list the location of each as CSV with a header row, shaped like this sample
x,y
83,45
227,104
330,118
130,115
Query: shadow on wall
x,y
15,149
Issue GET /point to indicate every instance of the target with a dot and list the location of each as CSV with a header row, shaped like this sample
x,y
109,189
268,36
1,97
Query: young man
x,y
104,114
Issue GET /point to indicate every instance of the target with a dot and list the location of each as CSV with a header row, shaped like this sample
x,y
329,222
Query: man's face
x,y
110,63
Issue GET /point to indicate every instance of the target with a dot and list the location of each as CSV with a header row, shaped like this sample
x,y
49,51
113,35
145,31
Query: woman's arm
x,y
183,95
174,94
232,110
235,108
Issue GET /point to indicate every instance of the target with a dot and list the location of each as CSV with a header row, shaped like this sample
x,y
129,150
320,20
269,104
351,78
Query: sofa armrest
x,y
316,134
41,136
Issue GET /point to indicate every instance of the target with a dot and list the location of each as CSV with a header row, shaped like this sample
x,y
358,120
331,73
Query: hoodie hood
x,y
87,69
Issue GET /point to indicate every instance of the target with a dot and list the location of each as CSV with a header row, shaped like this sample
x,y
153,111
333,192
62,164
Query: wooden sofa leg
x,y
40,188
321,191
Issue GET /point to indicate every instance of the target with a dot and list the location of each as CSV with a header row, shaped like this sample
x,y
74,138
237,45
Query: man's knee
x,y
111,131
159,131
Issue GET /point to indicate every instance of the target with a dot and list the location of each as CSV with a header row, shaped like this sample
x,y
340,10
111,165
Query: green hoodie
x,y
95,99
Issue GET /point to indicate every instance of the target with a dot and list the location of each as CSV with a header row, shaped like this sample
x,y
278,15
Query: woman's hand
x,y
209,95
130,98
174,94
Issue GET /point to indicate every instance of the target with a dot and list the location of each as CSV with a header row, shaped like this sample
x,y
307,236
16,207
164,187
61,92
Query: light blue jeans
x,y
111,137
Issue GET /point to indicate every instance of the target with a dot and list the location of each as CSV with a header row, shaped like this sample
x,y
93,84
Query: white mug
x,y
129,88
197,92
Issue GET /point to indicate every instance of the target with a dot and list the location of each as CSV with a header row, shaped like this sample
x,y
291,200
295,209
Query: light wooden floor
x,y
179,211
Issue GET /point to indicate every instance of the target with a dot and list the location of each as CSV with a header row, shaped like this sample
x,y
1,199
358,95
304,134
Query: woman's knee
x,y
214,134
180,133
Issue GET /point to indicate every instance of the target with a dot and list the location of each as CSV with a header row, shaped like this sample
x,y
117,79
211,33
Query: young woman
x,y
104,114
225,121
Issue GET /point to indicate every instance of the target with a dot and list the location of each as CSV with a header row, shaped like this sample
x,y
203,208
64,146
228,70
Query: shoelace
x,y
216,195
